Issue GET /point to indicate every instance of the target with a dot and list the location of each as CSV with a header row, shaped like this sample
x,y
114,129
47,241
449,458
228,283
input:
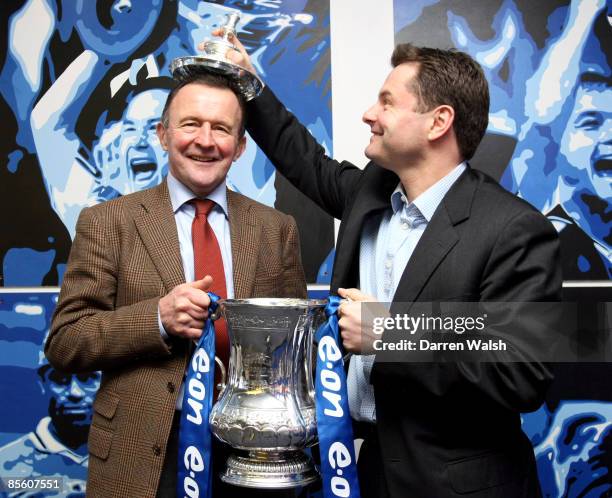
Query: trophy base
x,y
270,470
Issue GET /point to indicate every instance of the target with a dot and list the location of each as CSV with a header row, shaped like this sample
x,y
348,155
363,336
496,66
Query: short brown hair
x,y
450,77
207,79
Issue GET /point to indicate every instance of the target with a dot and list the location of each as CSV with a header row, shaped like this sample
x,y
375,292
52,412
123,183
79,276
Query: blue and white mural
x,y
45,414
573,452
83,84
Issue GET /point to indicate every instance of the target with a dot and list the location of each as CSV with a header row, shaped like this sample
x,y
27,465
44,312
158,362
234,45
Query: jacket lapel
x,y
157,229
245,235
439,238
373,195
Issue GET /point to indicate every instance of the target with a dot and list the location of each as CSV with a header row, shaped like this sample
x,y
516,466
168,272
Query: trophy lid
x,y
215,61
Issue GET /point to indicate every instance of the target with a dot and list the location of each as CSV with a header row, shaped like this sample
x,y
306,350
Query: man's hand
x,y
241,57
357,337
183,311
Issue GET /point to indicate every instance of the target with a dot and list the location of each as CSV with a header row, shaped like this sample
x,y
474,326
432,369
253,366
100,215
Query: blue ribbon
x,y
338,462
195,439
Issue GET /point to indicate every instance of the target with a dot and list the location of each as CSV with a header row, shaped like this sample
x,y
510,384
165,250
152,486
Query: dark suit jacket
x,y
445,429
125,256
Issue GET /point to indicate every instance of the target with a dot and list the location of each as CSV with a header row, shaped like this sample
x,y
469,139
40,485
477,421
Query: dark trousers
x,y
372,483
168,480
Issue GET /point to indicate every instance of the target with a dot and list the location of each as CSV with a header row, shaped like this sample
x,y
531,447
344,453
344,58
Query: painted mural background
x,y
83,85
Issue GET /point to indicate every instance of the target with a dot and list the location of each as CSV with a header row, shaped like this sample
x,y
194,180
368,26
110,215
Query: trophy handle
x,y
221,385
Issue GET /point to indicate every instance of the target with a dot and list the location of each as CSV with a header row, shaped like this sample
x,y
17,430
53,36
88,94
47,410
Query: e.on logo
x,y
339,458
330,380
196,390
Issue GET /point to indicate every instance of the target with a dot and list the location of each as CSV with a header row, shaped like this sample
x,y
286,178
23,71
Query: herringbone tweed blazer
x,y
125,256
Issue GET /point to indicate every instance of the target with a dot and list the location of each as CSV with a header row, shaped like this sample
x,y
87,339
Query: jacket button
x,y
156,450
170,387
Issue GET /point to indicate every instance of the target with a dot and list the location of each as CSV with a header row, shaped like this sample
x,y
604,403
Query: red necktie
x,y
207,260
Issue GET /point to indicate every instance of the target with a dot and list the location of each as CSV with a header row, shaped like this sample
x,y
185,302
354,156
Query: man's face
x,y
202,136
587,142
139,146
71,397
399,132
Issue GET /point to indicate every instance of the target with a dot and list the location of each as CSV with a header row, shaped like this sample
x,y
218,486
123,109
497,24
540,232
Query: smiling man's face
x,y
139,146
587,141
202,136
586,165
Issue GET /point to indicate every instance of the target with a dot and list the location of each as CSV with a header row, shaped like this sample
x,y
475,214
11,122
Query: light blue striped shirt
x,y
388,240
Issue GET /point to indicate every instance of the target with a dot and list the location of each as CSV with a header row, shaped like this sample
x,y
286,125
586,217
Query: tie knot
x,y
203,206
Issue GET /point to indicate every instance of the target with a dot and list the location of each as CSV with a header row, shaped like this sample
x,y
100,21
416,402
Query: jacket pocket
x,y
99,441
106,404
484,471
100,431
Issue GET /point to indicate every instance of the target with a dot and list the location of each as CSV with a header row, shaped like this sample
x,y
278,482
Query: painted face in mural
x,y
70,397
586,169
128,152
202,136
399,132
139,146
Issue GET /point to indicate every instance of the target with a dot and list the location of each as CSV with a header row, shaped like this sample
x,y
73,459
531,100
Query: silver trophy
x,y
214,60
266,410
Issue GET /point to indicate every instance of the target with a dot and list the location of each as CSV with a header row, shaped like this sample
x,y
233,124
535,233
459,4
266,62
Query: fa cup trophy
x,y
266,411
214,60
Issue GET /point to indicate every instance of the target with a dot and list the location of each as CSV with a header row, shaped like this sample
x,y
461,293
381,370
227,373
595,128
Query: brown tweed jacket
x,y
125,256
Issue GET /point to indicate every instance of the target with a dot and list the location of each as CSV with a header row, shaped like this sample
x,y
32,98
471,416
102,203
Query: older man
x,y
134,294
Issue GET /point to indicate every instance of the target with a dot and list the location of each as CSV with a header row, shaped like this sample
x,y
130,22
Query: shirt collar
x,y
180,194
427,202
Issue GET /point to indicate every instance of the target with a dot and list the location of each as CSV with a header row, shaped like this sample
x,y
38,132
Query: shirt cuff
x,y
162,330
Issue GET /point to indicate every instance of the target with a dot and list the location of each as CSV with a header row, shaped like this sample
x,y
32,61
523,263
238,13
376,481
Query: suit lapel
x,y
245,235
374,195
439,238
157,229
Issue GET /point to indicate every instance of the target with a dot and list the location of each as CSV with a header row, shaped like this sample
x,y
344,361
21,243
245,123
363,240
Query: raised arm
x,y
68,172
293,150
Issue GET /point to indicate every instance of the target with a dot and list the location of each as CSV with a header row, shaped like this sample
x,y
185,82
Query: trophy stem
x,y
230,26
270,470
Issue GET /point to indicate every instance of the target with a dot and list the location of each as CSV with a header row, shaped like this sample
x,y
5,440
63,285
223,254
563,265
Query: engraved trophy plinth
x,y
214,60
266,410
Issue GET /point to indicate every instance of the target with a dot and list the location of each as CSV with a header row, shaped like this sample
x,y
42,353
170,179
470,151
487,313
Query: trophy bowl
x,y
214,60
266,411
